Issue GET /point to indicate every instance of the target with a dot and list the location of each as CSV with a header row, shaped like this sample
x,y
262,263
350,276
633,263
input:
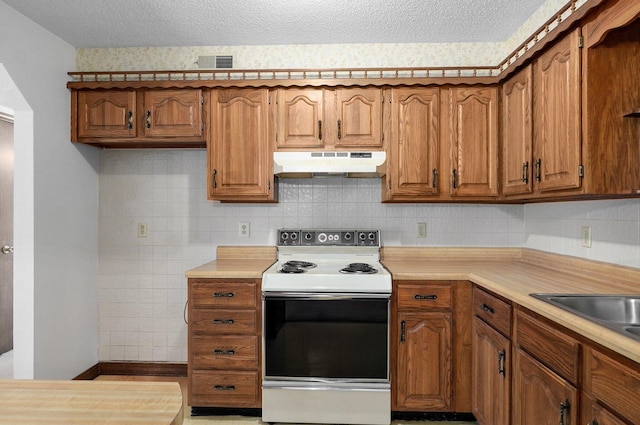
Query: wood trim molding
x,y
133,369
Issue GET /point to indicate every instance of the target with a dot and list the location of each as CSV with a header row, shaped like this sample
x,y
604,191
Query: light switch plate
x,y
586,237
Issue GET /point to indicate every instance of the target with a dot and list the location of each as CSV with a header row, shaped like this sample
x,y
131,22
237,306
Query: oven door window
x,y
326,338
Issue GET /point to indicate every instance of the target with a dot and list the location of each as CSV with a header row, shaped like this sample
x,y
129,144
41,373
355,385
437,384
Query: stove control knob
x,y
294,236
362,236
284,236
372,236
347,236
322,237
308,236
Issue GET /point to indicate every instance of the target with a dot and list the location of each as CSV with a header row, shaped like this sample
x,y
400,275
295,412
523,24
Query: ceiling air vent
x,y
211,62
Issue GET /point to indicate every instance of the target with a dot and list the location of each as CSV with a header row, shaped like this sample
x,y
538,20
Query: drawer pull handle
x,y
224,352
403,330
223,294
487,308
222,321
224,387
425,297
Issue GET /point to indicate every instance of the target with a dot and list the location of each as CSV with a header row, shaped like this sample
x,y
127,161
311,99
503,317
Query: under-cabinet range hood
x,y
318,164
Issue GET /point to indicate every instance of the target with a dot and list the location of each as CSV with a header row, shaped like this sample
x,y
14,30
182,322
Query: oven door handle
x,y
324,296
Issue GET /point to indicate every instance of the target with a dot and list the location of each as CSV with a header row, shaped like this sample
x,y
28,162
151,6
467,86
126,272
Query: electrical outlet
x,y
243,229
142,230
422,230
586,237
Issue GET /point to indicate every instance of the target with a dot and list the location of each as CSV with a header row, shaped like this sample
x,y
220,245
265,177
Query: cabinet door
x,y
473,136
359,118
556,118
300,118
412,165
491,378
240,161
173,113
107,113
540,397
517,132
594,414
423,365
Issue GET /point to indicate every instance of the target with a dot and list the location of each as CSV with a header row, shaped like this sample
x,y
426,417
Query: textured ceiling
x,y
162,23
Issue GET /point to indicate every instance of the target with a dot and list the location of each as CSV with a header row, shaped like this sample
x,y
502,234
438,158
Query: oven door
x,y
325,358
325,338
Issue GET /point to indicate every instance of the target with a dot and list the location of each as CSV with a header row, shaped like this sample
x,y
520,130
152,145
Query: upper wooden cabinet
x,y
240,160
413,152
473,141
517,133
322,118
138,118
556,116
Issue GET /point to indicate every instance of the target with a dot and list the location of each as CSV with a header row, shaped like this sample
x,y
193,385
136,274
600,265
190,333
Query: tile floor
x,y
236,420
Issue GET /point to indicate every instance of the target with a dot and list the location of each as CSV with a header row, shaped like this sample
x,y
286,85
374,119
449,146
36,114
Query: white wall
x,y
142,288
56,209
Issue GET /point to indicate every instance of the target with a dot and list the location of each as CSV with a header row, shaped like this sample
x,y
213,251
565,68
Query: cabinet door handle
x,y
435,178
224,352
538,166
214,176
425,297
455,178
403,328
501,360
320,129
223,295
222,321
130,120
224,387
148,119
339,129
564,409
525,172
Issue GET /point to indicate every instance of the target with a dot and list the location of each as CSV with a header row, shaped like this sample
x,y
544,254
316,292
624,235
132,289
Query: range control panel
x,y
288,237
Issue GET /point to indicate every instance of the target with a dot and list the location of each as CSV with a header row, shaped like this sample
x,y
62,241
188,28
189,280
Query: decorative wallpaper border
x,y
318,56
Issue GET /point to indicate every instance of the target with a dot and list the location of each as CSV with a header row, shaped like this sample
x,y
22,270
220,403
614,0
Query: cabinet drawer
x,y
224,352
225,389
220,321
492,310
615,384
208,293
425,296
552,347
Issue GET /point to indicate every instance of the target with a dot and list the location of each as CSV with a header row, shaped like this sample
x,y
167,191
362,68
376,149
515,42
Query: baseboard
x,y
133,369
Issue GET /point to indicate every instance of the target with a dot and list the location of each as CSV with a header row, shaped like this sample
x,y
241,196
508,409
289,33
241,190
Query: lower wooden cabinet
x,y
431,346
491,378
224,343
423,365
541,397
594,414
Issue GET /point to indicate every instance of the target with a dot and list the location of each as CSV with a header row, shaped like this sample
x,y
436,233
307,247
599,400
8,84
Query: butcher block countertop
x,y
24,402
512,273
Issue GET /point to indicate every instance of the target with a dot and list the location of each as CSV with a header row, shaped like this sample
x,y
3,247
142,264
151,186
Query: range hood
x,y
319,164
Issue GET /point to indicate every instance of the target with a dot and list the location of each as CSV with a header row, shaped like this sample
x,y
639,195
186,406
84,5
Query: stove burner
x,y
291,269
299,264
360,268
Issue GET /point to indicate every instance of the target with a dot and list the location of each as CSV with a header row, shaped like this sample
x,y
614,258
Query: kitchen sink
x,y
620,313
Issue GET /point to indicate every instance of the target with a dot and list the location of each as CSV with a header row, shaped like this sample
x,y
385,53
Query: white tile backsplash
x,y
142,288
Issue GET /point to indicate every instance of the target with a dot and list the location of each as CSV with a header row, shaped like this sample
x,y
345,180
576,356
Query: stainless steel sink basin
x,y
620,313
634,330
